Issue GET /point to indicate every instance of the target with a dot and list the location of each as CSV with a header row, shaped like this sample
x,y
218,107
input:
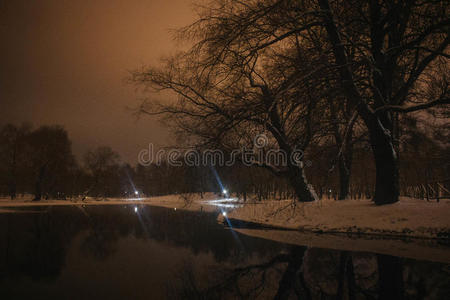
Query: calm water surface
x,y
144,252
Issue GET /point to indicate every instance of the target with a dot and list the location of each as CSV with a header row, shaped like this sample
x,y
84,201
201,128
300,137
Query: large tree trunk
x,y
386,163
387,188
304,191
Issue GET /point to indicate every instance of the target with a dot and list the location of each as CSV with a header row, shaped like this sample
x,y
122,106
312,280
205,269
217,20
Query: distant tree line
x,y
40,162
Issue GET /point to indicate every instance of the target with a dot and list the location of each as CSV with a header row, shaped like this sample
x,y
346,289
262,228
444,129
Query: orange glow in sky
x,y
65,62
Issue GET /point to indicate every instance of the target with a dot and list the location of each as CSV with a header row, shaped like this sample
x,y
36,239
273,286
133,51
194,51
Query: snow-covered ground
x,y
430,250
408,217
320,224
209,202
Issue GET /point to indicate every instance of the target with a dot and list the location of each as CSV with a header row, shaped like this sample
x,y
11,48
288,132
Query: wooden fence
x,y
430,191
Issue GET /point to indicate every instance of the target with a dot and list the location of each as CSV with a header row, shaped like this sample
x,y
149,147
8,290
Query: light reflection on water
x,y
231,203
138,251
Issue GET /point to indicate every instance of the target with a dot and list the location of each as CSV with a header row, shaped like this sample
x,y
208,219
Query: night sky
x,y
65,62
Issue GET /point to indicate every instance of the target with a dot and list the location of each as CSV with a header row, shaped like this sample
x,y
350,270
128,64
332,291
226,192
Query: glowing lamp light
x,y
225,191
224,213
135,209
136,192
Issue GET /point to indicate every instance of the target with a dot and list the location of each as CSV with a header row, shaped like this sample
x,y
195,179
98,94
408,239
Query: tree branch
x,y
407,109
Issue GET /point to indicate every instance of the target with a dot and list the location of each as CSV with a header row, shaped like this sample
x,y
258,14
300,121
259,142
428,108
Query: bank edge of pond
x,y
413,247
354,232
245,221
409,218
418,249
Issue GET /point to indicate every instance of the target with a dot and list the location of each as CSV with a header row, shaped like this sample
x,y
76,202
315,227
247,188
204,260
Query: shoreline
x,y
409,218
348,234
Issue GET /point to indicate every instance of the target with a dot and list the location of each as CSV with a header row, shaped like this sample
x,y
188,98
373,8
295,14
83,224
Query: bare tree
x,y
102,164
400,44
50,158
12,154
227,94
383,53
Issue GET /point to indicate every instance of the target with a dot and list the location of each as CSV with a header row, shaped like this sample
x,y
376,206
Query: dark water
x,y
115,252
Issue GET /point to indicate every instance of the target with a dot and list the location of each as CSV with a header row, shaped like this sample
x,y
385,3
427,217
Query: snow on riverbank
x,y
209,202
423,249
408,217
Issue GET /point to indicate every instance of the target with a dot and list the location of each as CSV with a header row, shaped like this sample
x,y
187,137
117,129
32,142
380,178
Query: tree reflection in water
x,y
313,273
208,260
